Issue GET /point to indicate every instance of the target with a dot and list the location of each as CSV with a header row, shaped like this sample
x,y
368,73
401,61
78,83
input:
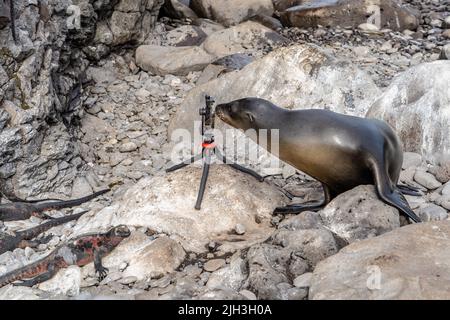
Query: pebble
x,y
128,147
213,265
239,229
427,180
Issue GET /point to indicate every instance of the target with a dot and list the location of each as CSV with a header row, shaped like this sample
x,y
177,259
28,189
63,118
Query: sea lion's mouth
x,y
222,114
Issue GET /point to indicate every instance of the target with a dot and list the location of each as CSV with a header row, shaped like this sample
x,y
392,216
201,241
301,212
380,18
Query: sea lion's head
x,y
247,113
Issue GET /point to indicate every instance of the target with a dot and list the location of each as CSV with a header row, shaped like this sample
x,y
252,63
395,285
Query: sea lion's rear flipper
x,y
298,208
408,190
389,193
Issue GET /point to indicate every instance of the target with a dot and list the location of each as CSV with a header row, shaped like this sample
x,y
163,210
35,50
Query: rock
x,y
368,27
232,276
444,201
432,212
166,204
185,36
446,34
408,263
282,5
312,245
445,52
239,229
66,282
267,21
213,265
426,179
411,159
303,281
415,106
350,14
267,267
246,37
248,294
208,26
178,10
171,60
359,214
285,78
219,294
233,11
11,292
306,220
128,147
442,171
162,256
446,190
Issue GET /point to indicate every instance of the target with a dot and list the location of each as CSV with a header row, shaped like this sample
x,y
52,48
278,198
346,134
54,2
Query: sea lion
x,y
338,150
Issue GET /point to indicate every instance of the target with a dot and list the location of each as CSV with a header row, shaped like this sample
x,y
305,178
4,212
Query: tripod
x,y
208,150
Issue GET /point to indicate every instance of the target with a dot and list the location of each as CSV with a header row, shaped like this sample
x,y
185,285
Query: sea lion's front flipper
x,y
298,208
389,193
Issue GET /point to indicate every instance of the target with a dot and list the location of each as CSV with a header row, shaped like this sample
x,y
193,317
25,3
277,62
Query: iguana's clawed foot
x,y
102,272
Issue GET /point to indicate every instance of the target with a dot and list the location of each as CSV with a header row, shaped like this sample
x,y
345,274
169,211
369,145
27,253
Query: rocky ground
x,y
234,248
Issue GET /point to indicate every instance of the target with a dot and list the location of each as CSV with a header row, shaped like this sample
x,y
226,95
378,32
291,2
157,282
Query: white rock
x,y
303,281
408,263
166,204
446,190
248,294
66,282
426,179
172,60
359,214
368,27
416,106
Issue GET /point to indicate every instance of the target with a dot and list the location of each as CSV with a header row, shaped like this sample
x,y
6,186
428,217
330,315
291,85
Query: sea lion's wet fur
x,y
338,150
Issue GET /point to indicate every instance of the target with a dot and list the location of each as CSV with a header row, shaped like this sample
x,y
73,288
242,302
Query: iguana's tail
x,y
34,232
69,203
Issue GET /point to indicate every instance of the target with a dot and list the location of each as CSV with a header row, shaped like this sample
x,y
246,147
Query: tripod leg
x,y
238,167
205,174
185,163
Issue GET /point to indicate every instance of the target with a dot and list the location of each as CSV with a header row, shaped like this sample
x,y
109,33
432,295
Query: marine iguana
x,y
23,210
22,239
80,251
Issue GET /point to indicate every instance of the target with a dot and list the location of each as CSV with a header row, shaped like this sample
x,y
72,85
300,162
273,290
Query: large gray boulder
x,y
417,106
359,214
166,204
350,13
408,263
231,12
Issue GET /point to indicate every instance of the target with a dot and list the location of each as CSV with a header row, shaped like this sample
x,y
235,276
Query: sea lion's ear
x,y
250,117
